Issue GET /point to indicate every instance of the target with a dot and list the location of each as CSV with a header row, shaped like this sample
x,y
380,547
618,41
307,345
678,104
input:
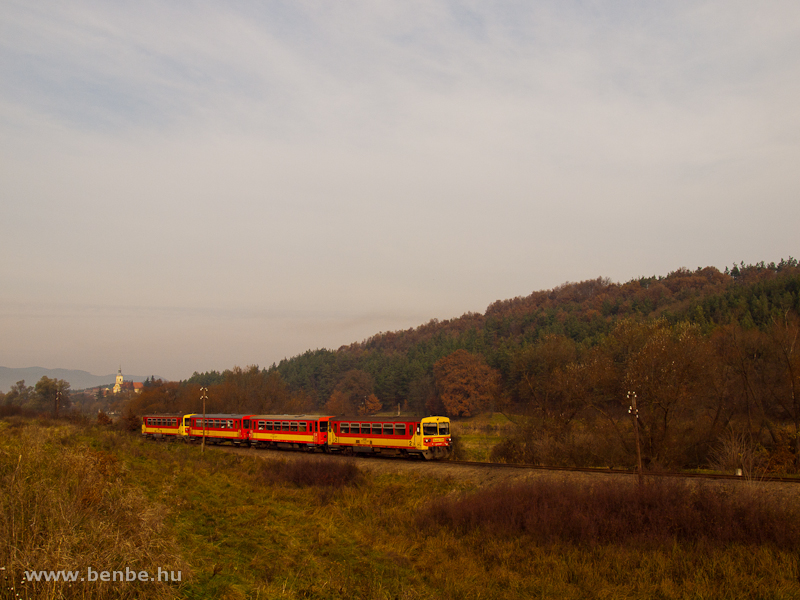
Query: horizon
x,y
197,188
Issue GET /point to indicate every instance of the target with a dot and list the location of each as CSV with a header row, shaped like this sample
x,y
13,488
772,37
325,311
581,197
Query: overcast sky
x,y
189,186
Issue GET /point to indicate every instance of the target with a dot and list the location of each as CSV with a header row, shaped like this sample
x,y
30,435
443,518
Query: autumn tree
x,y
540,373
465,384
784,372
352,395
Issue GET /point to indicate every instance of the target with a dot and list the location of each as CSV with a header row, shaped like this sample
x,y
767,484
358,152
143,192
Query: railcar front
x,y
428,438
162,426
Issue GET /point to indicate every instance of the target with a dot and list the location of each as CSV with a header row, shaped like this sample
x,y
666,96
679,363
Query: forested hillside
x,y
707,353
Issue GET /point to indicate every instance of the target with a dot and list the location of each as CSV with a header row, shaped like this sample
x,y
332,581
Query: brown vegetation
x,y
661,513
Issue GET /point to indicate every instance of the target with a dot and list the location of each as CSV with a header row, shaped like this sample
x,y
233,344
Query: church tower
x,y
118,384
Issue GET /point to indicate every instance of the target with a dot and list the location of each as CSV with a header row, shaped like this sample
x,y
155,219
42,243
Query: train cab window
x,y
344,427
377,429
429,429
285,426
444,428
293,426
303,427
323,427
388,429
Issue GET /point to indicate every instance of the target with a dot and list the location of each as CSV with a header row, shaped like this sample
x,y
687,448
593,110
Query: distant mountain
x,y
78,380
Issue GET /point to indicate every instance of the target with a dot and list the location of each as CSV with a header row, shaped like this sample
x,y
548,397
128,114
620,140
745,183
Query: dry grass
x,y
660,513
66,506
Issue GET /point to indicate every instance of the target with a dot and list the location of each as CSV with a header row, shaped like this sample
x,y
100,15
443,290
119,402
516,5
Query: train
x,y
411,437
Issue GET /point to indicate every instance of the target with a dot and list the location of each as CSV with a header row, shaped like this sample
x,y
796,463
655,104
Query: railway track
x,y
622,472
489,466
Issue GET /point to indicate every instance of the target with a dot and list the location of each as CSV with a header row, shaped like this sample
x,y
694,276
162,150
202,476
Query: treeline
x,y
710,355
48,395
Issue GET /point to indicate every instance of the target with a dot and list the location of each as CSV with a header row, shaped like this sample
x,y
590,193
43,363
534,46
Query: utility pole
x,y
204,397
634,412
57,402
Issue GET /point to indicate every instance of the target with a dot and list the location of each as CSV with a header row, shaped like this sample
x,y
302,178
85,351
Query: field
x,y
246,525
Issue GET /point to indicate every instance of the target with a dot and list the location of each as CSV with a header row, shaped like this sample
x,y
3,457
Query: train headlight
x,y
427,440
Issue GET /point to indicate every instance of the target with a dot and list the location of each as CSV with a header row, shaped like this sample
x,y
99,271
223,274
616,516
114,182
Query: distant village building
x,y
126,386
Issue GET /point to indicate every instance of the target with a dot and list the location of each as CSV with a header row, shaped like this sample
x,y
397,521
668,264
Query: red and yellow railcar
x,y
428,437
161,426
217,428
308,432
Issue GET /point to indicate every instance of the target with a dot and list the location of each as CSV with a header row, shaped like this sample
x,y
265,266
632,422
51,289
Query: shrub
x,y
305,472
610,512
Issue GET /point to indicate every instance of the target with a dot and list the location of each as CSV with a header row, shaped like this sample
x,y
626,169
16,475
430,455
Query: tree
x,y
51,394
371,405
540,373
352,394
19,394
465,384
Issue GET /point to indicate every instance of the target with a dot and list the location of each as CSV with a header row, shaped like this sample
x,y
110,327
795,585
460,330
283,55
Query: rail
x,y
600,470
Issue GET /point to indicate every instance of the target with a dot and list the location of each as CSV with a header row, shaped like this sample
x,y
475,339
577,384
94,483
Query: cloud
x,y
378,158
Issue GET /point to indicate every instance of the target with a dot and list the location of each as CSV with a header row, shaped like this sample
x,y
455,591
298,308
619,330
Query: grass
x,y
243,527
479,434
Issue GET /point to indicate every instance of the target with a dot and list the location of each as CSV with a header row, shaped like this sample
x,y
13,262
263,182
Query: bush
x,y
611,512
305,472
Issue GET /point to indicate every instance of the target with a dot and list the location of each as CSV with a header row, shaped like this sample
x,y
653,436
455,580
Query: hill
x,y
78,380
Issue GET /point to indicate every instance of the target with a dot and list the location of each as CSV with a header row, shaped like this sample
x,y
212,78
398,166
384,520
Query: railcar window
x,y
355,428
377,429
261,425
365,428
388,429
285,426
323,426
344,427
293,426
269,426
444,428
303,427
400,429
230,424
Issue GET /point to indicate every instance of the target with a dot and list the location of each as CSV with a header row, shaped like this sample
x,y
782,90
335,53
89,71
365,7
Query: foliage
x,y
465,384
661,513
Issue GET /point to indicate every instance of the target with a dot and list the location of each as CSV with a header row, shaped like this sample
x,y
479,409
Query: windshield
x,y
429,429
444,428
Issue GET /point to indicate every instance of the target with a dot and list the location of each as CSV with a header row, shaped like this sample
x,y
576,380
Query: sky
x,y
196,185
